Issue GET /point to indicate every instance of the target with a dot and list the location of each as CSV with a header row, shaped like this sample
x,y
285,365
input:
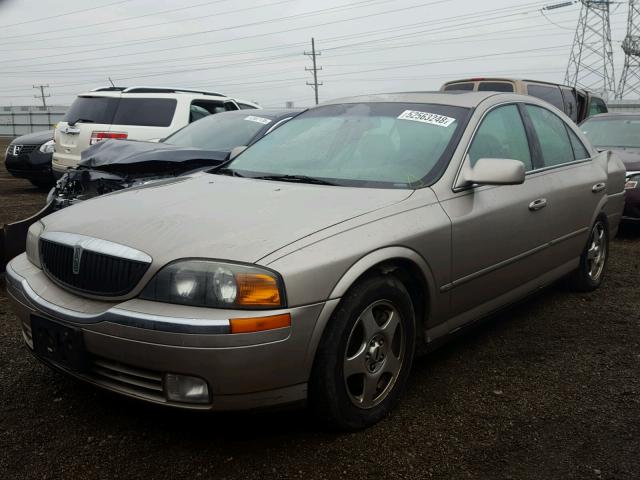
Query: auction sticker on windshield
x,y
261,120
425,117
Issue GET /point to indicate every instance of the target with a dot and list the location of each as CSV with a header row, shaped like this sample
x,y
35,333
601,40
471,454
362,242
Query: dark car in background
x,y
620,132
29,157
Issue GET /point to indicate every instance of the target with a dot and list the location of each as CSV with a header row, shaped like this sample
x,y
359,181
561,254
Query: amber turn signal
x,y
257,290
259,324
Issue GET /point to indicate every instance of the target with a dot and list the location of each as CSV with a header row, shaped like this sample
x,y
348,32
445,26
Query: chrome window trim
x,y
276,125
459,188
97,245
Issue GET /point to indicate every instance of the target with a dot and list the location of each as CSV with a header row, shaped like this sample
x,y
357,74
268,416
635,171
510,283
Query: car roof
x,y
454,98
614,114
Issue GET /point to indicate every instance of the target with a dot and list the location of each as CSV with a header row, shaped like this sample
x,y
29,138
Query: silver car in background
x,y
317,262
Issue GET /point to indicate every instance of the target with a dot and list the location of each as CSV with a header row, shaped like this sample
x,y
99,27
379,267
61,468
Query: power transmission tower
x,y
591,60
630,79
313,54
42,95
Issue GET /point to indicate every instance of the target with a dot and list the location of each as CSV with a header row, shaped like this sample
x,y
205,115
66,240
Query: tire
x,y
372,334
593,261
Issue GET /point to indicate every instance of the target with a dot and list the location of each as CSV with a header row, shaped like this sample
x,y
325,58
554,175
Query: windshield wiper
x,y
81,120
227,171
295,178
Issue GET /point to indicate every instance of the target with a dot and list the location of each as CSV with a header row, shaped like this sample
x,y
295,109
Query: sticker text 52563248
x,y
262,120
426,117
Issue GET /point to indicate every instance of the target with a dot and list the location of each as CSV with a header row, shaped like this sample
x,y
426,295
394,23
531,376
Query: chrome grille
x,y
138,381
16,150
90,272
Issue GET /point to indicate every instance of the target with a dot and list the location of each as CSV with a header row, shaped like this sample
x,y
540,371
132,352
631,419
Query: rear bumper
x,y
242,371
61,162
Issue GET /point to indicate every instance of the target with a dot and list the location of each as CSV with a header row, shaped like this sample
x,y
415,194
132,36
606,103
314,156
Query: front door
x,y
498,232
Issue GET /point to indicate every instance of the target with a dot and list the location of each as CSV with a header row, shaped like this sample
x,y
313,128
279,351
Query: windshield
x,y
392,145
221,132
613,131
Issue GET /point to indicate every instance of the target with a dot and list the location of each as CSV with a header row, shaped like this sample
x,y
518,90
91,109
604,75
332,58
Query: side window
x,y
495,87
209,106
552,135
597,106
244,106
548,93
579,150
501,135
230,106
467,86
570,104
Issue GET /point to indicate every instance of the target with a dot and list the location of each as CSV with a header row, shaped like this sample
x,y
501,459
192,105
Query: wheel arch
x,y
408,265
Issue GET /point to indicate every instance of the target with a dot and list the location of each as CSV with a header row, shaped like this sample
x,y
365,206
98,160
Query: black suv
x,y
29,156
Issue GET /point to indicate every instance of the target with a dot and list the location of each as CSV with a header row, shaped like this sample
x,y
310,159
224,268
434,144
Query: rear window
x,y
149,112
547,93
597,106
467,86
92,110
495,87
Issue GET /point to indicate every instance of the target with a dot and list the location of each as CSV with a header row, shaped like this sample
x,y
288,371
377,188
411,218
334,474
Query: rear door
x,y
497,235
576,184
86,114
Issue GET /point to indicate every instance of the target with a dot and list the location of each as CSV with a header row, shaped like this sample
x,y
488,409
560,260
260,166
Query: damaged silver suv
x,y
316,263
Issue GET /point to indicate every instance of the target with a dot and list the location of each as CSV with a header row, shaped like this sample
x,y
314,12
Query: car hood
x,y
216,216
629,156
146,157
37,138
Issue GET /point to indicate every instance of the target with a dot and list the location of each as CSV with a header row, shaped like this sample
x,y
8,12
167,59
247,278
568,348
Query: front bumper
x,y
631,205
32,166
131,350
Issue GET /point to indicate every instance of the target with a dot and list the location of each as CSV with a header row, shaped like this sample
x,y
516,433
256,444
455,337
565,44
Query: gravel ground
x,y
549,389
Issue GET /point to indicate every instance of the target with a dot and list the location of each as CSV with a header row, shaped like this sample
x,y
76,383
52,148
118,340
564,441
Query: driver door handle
x,y
598,187
538,204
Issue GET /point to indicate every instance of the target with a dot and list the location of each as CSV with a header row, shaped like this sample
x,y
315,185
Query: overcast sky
x,y
254,49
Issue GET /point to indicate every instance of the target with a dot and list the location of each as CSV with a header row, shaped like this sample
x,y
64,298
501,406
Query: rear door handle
x,y
598,187
538,204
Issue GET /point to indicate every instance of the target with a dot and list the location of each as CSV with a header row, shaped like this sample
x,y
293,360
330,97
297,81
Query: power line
x,y
42,96
49,17
313,54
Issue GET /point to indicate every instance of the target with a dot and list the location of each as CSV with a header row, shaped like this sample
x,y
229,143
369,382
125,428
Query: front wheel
x,y
590,273
365,355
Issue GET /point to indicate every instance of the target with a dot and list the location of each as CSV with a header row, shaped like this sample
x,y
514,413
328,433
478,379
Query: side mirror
x,y
494,171
237,151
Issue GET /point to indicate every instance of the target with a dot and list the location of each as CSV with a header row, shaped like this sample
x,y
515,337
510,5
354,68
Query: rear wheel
x,y
593,261
365,355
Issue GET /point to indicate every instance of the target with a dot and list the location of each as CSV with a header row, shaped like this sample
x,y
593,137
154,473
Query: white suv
x,y
137,113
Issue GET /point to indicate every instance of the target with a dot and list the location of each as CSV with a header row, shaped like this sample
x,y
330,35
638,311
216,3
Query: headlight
x,y
32,248
47,147
205,283
632,180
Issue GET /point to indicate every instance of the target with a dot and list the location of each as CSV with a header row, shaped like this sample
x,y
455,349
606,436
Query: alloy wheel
x,y
374,355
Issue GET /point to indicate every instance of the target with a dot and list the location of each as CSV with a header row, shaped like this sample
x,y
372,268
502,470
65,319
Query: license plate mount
x,y
59,343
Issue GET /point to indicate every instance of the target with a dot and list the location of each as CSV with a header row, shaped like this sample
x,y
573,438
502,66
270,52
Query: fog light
x,y
182,388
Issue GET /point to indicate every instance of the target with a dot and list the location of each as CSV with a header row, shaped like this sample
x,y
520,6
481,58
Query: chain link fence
x,y
16,121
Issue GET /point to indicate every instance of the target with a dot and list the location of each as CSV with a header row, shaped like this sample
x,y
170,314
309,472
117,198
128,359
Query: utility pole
x,y
591,60
630,79
313,54
42,95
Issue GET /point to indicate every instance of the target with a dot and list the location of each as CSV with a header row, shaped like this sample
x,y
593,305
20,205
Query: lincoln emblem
x,y
77,257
